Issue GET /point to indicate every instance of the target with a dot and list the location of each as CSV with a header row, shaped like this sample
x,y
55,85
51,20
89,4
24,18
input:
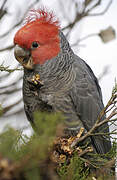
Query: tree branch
x,y
7,48
99,122
2,68
6,109
21,20
84,38
103,12
2,11
84,13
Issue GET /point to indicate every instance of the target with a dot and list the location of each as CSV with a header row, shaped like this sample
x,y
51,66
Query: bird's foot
x,y
35,80
63,148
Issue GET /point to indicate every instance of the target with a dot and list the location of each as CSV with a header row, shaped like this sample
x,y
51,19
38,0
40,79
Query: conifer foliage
x,y
39,158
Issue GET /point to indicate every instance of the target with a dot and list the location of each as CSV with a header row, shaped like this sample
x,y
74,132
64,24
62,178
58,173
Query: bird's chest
x,y
33,99
58,101
44,99
53,95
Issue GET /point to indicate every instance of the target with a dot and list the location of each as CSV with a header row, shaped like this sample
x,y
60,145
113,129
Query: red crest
x,y
42,15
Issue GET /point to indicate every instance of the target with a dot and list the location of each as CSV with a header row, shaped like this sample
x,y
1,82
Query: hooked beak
x,y
24,57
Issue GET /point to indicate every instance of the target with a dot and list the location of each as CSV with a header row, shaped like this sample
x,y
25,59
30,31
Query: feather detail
x,y
43,16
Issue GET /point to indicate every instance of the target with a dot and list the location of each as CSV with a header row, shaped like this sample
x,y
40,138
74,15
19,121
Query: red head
x,y
40,36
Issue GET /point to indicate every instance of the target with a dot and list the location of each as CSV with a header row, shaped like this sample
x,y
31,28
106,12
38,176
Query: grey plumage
x,y
70,87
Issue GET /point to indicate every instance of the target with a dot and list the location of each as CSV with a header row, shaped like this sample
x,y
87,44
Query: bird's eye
x,y
35,44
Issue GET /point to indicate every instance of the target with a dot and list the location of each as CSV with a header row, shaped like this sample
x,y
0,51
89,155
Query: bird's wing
x,y
87,99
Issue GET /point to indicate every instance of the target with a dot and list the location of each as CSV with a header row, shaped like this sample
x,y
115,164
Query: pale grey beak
x,y
23,56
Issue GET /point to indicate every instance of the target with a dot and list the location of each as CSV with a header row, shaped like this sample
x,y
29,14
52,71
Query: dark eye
x,y
35,44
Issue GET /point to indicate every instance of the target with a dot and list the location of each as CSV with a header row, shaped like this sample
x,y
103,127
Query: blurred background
x,y
89,25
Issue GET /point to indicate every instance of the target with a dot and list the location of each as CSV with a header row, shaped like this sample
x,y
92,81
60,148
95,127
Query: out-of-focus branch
x,y
10,47
105,35
77,19
80,16
6,109
103,12
21,20
84,38
3,4
94,6
104,73
2,68
21,110
2,10
10,91
2,13
11,85
7,48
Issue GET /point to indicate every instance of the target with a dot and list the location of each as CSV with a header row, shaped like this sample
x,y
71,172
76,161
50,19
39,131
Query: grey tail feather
x,y
102,146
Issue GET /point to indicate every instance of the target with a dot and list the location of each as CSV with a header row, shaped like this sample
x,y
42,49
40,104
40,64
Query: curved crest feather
x,y
42,15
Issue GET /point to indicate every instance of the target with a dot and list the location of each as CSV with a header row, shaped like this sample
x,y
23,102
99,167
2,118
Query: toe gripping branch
x,y
64,148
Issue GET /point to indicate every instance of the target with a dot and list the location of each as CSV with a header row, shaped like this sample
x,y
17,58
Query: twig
x,y
104,134
21,20
77,19
2,68
88,162
7,48
79,16
3,4
94,6
88,149
110,109
2,11
113,97
89,133
110,163
21,110
12,84
98,123
103,12
104,72
10,91
6,109
84,38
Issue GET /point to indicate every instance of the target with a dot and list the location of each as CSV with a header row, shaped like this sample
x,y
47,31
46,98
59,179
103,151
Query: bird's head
x,y
38,40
